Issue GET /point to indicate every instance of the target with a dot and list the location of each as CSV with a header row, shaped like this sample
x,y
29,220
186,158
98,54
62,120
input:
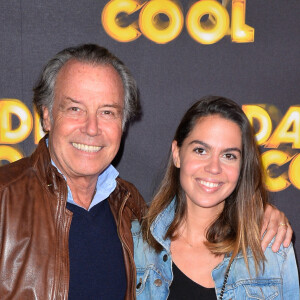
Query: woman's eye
x,y
230,156
199,151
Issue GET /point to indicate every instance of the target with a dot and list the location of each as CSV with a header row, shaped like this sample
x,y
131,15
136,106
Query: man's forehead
x,y
80,66
105,91
80,74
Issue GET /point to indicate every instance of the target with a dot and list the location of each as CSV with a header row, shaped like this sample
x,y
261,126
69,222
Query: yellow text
x,y
151,25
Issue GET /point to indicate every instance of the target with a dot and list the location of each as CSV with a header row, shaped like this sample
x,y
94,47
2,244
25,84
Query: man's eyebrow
x,y
231,149
114,105
72,100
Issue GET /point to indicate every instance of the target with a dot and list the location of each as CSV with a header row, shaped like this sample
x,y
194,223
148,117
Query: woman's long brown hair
x,y
238,226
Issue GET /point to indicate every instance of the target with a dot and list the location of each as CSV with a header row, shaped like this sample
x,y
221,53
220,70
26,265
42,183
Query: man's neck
x,y
83,191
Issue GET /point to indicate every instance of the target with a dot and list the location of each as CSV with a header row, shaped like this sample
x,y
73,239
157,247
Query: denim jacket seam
x,y
156,270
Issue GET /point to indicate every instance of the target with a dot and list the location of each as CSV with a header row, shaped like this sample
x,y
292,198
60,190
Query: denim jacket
x,y
154,270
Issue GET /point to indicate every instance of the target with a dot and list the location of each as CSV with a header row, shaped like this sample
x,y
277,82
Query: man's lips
x,y
86,148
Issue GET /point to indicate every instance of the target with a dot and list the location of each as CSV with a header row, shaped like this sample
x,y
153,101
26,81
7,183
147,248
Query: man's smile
x,y
87,148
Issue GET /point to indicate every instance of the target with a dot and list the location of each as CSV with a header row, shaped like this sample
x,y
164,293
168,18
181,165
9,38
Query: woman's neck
x,y
189,251
194,226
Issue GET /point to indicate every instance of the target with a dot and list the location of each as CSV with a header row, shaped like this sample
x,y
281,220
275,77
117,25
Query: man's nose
x,y
213,165
91,126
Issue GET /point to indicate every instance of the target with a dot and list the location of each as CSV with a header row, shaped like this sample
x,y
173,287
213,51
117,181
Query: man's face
x,y
86,130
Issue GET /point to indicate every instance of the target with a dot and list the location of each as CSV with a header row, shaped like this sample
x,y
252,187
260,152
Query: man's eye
x,y
107,112
75,108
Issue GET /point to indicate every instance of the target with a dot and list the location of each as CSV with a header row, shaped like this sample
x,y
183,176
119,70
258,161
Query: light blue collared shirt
x,y
106,184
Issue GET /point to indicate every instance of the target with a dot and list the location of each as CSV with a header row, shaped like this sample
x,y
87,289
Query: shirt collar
x,y
106,184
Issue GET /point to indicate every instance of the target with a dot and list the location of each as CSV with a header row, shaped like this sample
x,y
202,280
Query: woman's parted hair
x,y
238,226
91,54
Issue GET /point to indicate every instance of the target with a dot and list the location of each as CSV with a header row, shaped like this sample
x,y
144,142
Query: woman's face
x,y
209,161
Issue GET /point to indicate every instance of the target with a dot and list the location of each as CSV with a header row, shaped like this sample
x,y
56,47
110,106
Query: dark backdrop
x,y
170,77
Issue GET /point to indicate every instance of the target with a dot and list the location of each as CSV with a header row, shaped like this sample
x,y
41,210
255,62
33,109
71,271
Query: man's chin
x,y
88,170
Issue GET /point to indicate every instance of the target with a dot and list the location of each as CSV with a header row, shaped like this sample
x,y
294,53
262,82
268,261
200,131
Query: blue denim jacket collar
x,y
161,225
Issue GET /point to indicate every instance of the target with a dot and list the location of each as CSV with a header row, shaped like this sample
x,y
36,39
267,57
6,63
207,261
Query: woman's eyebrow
x,y
200,143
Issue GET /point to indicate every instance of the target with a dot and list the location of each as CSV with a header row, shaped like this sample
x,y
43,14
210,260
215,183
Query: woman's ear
x,y
175,153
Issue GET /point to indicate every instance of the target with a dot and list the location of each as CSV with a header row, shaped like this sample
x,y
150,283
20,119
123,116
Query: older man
x,y
65,215
82,249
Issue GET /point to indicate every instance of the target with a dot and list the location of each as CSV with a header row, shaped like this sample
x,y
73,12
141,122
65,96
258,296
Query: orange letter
x,y
265,123
288,130
240,32
294,171
278,158
9,153
9,107
212,30
112,24
156,30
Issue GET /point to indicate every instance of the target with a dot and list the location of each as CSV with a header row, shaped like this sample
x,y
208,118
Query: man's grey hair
x,y
89,53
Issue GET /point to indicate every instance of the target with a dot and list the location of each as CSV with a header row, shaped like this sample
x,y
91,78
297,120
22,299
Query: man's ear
x,y
175,153
46,119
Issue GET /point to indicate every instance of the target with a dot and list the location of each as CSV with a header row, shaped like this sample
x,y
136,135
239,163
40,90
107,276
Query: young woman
x,y
201,237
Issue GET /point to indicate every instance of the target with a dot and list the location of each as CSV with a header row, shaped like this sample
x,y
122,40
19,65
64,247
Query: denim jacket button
x,y
165,257
158,282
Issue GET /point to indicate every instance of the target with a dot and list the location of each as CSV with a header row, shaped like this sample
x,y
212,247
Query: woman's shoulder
x,y
270,268
273,268
142,251
281,254
276,276
283,263
141,248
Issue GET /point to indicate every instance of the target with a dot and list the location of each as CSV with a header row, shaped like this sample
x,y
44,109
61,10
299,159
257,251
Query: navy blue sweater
x,y
97,268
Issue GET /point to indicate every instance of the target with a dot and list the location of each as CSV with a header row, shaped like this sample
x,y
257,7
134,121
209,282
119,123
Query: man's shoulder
x,y
135,200
130,187
126,185
13,171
